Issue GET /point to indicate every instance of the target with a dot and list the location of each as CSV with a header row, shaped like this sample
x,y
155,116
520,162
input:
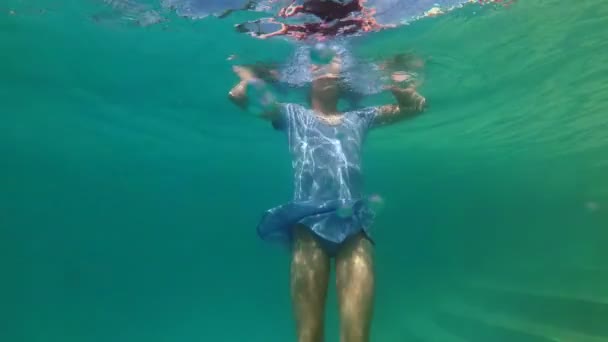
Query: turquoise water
x,y
131,187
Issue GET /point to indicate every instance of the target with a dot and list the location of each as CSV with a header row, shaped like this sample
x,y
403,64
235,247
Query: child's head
x,y
326,89
325,84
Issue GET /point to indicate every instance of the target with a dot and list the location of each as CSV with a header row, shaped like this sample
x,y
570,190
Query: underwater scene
x,y
138,197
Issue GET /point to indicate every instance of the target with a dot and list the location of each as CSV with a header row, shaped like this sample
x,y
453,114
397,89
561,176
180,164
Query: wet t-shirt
x,y
326,158
327,177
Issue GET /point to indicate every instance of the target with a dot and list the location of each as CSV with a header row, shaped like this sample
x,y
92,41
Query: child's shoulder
x,y
363,112
294,108
363,117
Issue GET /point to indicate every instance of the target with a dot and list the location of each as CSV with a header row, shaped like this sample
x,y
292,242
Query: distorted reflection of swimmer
x,y
336,18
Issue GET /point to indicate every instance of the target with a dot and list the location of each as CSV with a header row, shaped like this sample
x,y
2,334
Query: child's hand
x,y
409,98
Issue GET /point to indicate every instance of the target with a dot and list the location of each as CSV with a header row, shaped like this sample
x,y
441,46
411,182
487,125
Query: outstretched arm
x,y
265,104
409,104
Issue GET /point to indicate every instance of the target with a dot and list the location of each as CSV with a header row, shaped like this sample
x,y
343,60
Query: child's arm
x,y
409,104
264,103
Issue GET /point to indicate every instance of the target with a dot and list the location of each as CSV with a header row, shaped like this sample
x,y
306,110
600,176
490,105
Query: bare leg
x,y
309,280
355,283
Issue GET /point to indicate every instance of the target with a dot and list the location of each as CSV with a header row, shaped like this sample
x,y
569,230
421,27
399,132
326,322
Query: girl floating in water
x,y
329,216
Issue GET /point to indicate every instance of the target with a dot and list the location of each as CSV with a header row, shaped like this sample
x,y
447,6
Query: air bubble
x,y
321,53
592,206
375,203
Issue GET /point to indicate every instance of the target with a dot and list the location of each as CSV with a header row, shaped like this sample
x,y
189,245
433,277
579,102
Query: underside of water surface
x,y
130,187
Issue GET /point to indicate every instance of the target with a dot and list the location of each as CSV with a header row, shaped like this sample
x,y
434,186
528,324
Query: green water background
x,y
130,188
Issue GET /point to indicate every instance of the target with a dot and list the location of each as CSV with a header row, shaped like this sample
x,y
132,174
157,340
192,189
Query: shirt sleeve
x,y
287,112
367,117
281,121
